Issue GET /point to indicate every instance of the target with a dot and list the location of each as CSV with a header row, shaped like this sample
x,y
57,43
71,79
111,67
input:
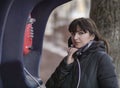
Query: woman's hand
x,y
71,51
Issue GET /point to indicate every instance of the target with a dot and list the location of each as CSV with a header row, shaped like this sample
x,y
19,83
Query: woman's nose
x,y
76,36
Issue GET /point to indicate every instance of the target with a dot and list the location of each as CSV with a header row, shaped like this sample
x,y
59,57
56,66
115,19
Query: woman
x,y
87,64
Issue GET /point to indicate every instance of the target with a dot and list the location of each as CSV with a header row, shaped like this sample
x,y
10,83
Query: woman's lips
x,y
77,42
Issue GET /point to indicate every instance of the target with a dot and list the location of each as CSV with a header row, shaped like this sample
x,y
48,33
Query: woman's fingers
x,y
71,50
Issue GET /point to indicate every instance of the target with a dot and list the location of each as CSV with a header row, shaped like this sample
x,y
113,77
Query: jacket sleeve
x,y
60,74
107,77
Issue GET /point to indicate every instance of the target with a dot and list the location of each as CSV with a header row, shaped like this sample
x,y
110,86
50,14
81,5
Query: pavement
x,y
48,64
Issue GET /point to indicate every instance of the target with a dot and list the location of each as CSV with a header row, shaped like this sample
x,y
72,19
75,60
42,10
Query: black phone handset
x,y
70,44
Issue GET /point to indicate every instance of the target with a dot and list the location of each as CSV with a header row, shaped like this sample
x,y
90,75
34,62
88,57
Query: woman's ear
x,y
92,36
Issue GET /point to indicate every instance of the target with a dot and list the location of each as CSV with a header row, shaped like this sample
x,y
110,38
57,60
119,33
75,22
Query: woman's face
x,y
80,38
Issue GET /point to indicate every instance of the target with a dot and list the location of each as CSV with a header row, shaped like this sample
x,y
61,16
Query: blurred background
x,y
56,34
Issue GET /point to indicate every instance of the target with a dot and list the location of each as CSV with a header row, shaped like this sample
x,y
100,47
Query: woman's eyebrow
x,y
80,31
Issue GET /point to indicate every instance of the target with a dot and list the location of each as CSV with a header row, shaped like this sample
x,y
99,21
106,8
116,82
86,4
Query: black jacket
x,y
97,71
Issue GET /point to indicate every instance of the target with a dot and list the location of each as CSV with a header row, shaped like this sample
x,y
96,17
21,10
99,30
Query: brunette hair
x,y
87,24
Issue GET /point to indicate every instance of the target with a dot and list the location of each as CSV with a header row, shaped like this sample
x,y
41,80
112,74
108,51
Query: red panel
x,y
28,36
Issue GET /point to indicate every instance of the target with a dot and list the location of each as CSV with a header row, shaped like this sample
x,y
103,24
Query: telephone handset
x,y
70,44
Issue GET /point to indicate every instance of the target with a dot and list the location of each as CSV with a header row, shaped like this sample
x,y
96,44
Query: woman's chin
x,y
78,46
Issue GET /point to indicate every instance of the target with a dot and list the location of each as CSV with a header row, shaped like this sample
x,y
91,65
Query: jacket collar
x,y
92,46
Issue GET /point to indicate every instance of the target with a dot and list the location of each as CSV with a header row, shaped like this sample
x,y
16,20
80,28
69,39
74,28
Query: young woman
x,y
87,64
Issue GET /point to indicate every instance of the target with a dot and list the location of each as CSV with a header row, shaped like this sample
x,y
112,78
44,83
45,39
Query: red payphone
x,y
28,36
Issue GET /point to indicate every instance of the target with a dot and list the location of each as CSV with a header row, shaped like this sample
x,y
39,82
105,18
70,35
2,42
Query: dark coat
x,y
97,71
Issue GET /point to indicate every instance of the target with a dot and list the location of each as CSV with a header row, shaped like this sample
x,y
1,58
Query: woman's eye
x,y
80,33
